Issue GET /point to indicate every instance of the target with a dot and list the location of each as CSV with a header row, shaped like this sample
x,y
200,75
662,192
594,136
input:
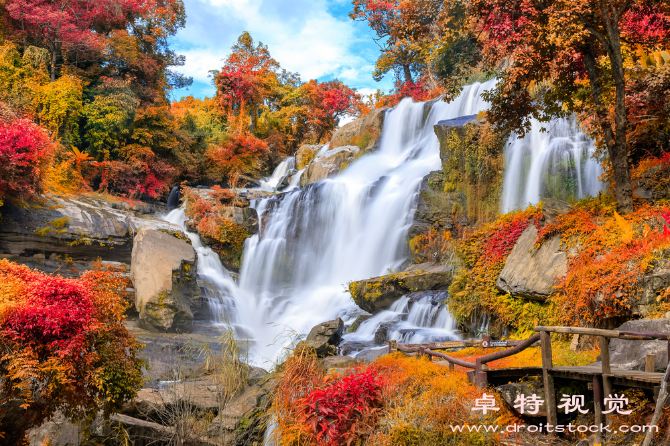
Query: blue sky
x,y
315,38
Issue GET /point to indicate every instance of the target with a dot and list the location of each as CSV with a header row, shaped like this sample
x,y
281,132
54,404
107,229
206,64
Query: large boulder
x,y
379,293
325,337
364,132
631,355
435,208
328,164
163,272
530,272
648,287
81,228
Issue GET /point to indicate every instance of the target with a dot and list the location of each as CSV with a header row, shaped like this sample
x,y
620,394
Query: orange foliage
x,y
611,253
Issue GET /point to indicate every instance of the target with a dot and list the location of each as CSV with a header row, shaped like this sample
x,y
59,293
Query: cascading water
x,y
557,163
353,226
215,281
314,241
285,168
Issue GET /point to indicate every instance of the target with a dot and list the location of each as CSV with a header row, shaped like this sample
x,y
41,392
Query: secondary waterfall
x,y
557,163
316,240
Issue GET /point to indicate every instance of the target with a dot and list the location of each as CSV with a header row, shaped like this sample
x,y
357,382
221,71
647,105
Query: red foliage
x,y
140,175
64,346
24,150
501,242
345,409
645,23
415,90
55,318
240,154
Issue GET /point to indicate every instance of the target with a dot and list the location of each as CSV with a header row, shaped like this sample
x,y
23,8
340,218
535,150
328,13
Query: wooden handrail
x,y
626,335
479,365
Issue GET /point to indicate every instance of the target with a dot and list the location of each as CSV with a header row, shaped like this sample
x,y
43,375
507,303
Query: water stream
x,y
314,241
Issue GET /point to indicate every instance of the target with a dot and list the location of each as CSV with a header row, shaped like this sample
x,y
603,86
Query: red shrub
x,y
24,150
240,154
345,409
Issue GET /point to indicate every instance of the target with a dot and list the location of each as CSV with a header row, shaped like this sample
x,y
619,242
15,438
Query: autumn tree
x,y
325,104
71,25
572,55
25,150
245,80
403,29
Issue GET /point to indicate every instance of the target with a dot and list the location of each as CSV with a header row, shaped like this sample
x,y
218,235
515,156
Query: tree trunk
x,y
616,145
53,65
408,73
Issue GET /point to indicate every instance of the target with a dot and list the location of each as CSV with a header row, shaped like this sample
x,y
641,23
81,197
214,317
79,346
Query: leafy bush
x,y
25,150
64,346
345,409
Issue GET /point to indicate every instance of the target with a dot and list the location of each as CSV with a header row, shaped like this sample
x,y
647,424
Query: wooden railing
x,y
479,365
544,339
606,369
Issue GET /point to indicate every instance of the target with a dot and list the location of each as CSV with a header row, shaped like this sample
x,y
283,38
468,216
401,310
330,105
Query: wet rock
x,y
530,272
243,420
364,132
381,335
83,228
436,297
631,355
163,272
357,322
510,392
325,337
472,154
435,207
379,293
328,164
552,208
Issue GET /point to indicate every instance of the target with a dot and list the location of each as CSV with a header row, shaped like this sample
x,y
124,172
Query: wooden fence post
x,y
549,391
606,369
650,363
598,403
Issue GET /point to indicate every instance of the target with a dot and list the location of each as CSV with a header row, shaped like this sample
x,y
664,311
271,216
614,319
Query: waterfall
x,y
216,283
316,240
556,163
285,168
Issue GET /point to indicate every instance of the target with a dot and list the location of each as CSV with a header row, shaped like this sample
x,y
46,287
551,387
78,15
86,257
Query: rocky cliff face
x,y
472,166
83,228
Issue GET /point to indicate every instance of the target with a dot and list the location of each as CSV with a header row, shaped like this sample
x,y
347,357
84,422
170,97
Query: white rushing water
x,y
285,168
314,241
556,163
215,281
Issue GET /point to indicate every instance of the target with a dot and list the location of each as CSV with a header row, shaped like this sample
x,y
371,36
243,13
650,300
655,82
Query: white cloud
x,y
305,36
